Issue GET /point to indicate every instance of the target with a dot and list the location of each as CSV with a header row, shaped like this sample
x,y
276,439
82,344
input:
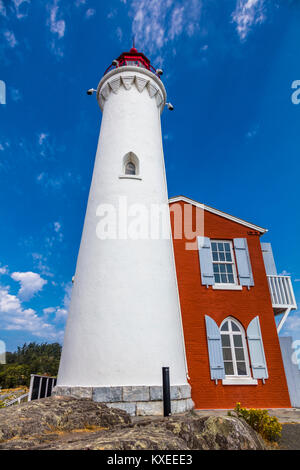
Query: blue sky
x,y
232,141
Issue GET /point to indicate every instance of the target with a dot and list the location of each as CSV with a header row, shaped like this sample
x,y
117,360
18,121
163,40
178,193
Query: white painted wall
x,y
124,320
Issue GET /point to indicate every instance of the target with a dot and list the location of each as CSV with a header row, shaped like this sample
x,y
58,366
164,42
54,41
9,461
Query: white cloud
x,y
3,270
247,14
10,38
57,26
55,314
112,13
2,8
156,23
49,310
176,22
55,183
60,314
41,137
14,317
90,12
15,94
21,7
119,33
67,297
48,182
284,273
50,240
31,283
57,227
40,263
292,323
252,132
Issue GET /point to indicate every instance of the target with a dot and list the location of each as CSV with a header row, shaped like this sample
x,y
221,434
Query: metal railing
x,y
282,292
16,400
40,386
123,64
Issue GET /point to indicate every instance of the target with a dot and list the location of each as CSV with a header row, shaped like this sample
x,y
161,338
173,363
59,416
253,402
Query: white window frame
x,y
131,157
236,379
227,285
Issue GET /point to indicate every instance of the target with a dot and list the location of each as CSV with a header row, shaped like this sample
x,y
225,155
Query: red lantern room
x,y
133,58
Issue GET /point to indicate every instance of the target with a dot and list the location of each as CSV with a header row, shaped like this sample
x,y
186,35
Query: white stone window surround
x,y
130,157
235,379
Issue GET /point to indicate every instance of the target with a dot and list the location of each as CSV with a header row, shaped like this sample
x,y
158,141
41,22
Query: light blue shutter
x,y
216,362
206,264
243,262
269,259
256,350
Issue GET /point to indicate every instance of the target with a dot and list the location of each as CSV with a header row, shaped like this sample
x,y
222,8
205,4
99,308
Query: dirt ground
x,y
290,438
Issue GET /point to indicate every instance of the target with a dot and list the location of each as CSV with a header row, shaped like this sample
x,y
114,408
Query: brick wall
x,y
198,300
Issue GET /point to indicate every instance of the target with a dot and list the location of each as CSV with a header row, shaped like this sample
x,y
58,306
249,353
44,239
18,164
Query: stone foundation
x,y
136,400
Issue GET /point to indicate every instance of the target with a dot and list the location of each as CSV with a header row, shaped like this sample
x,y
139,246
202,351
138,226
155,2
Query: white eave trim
x,y
217,212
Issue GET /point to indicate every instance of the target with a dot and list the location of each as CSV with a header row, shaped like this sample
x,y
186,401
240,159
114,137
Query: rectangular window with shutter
x,y
223,262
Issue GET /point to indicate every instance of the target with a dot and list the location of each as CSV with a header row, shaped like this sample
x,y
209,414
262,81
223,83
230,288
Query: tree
x,y
32,358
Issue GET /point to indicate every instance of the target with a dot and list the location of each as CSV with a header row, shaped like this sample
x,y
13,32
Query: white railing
x,y
282,292
16,400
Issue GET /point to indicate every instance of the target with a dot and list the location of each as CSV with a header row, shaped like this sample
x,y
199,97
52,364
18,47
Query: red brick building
x,y
225,286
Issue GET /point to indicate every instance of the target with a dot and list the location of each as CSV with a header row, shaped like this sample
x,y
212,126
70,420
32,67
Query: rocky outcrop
x,y
57,413
68,423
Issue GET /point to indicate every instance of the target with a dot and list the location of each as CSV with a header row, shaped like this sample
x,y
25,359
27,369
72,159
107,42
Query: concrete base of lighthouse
x,y
136,400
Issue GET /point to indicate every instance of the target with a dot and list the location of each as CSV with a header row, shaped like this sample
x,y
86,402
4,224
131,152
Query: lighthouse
x,y
124,323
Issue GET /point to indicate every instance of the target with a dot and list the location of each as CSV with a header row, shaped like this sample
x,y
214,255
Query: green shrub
x,y
32,358
260,420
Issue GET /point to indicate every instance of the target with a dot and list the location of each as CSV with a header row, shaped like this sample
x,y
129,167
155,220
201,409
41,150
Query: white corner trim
x,y
239,381
130,177
227,287
217,212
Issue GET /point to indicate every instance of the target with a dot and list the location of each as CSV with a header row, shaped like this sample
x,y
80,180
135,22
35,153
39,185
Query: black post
x,y
166,391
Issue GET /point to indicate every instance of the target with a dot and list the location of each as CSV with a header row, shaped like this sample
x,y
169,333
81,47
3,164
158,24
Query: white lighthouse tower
x,y
124,321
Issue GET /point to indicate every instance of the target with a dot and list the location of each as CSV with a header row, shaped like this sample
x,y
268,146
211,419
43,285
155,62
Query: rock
x,y
57,413
215,433
68,423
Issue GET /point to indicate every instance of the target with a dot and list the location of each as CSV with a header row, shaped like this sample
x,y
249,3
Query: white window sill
x,y
239,381
227,287
130,177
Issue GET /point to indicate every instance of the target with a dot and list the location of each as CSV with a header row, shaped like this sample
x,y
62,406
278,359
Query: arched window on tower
x,y
131,165
234,348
